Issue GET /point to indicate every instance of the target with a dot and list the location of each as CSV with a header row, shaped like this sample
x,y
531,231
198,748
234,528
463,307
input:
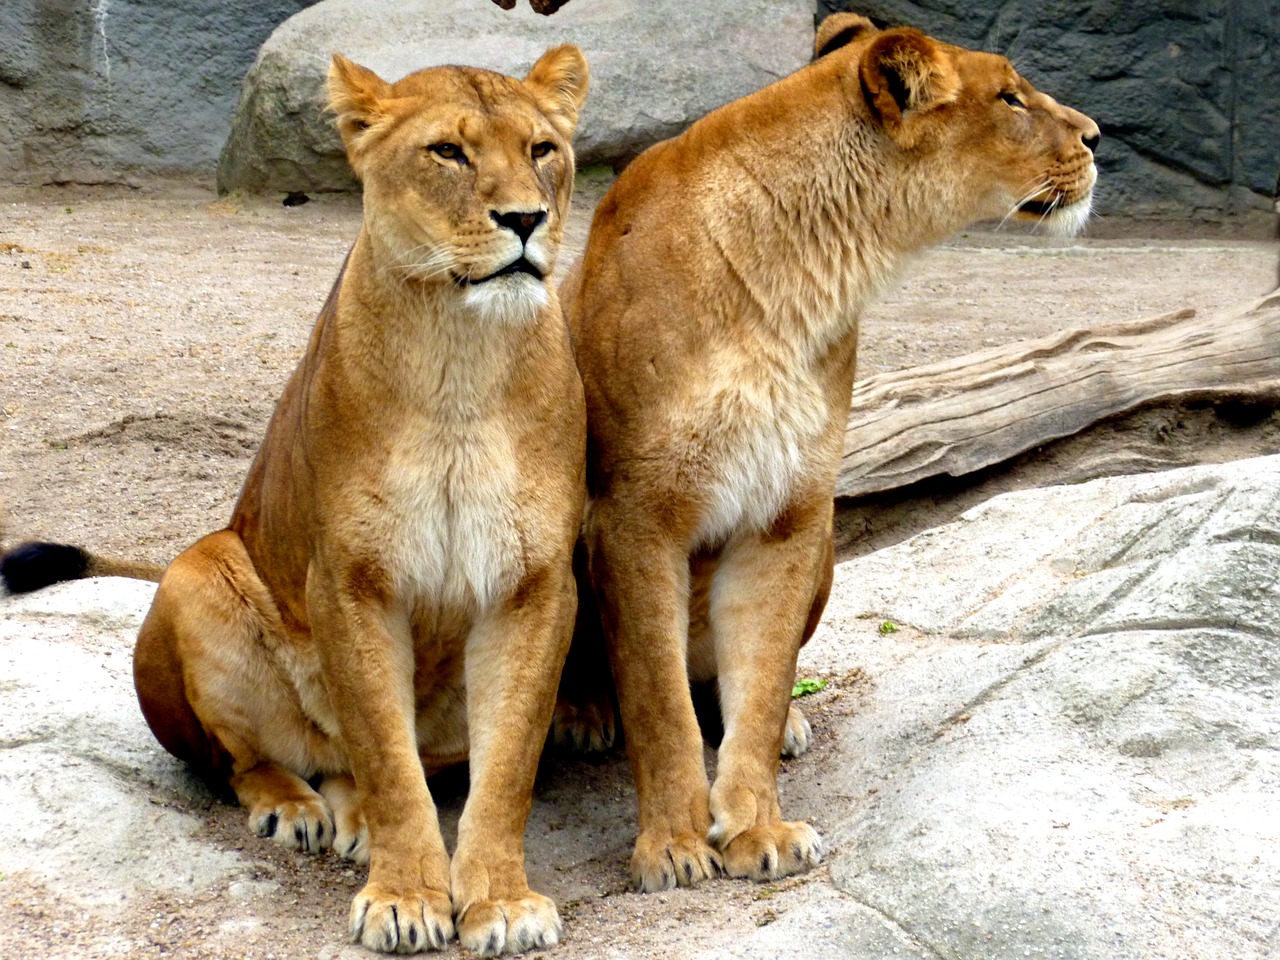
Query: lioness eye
x,y
447,151
540,150
1012,99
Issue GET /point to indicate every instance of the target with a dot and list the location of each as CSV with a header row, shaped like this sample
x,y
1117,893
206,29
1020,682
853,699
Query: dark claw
x,y
413,935
358,933
491,947
395,925
269,828
688,871
766,863
797,852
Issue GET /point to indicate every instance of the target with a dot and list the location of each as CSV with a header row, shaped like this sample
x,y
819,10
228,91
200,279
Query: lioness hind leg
x,y
351,836
797,736
283,806
213,697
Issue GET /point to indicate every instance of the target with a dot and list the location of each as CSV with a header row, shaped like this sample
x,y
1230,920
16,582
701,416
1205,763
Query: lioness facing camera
x,y
394,590
715,320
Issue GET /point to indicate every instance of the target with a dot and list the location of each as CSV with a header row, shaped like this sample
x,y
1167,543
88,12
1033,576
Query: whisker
x,y
1053,205
1038,188
437,264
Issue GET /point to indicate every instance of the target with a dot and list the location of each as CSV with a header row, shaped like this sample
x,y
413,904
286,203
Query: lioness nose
x,y
521,223
1091,140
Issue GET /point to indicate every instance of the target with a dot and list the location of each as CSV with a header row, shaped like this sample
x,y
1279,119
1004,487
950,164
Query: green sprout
x,y
807,685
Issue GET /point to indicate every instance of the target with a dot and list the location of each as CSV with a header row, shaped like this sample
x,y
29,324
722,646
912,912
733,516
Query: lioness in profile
x,y
715,320
394,589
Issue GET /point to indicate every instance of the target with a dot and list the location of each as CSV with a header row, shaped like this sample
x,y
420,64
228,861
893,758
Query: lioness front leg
x,y
642,584
761,600
513,660
366,651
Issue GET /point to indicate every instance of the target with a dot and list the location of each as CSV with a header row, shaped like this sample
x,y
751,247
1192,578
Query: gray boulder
x,y
655,68
91,804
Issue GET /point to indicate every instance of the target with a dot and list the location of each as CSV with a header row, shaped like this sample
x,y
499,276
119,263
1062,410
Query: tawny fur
x,y
715,317
394,590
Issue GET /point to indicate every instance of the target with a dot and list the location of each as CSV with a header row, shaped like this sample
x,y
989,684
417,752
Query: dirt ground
x,y
144,338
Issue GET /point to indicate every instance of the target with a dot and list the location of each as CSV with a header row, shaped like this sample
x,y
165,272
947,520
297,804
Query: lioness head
x,y
467,174
999,145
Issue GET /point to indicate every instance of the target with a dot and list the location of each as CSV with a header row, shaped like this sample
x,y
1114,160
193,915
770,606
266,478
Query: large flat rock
x,y
656,66
1069,748
1066,747
91,805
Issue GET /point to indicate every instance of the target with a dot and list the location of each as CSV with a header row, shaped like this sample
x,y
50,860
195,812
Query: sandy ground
x,y
143,340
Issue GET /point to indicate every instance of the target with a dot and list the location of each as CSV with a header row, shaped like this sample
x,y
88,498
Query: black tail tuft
x,y
31,566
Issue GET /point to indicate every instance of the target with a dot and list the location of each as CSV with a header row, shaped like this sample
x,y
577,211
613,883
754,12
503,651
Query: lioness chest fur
x,y
715,320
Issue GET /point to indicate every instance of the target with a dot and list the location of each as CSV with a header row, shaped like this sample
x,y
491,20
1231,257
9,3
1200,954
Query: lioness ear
x,y
356,95
558,82
904,73
838,30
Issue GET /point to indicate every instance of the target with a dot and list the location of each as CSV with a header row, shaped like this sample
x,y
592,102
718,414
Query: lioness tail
x,y
30,566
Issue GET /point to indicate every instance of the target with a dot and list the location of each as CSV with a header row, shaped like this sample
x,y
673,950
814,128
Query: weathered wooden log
x,y
960,415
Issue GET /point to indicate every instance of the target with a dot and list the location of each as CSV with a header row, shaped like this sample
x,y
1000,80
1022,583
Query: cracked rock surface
x,y
1050,729
1072,739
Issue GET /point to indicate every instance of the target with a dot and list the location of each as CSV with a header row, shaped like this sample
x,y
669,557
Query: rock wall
x,y
1187,94
123,91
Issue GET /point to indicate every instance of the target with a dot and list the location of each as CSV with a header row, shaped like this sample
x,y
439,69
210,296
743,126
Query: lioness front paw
x,y
491,927
394,924
772,851
583,727
797,735
305,825
663,862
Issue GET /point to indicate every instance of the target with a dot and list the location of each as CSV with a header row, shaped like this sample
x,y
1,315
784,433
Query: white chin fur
x,y
1070,220
512,301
